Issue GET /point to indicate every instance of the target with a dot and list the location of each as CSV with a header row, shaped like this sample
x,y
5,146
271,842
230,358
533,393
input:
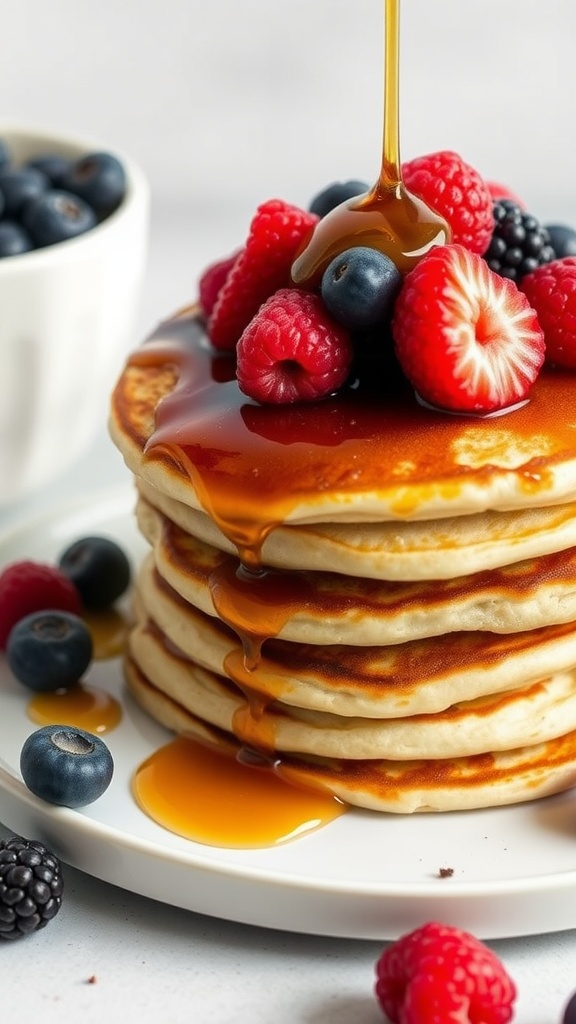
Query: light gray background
x,y
226,103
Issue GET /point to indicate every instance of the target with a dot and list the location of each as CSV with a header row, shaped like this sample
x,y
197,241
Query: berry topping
x,y
212,281
359,287
293,351
467,339
66,766
50,649
31,887
519,243
99,569
456,192
337,193
276,233
562,239
27,587
499,191
551,291
437,974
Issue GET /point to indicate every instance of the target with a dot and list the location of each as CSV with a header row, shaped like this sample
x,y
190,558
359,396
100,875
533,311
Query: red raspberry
x,y
438,974
276,233
27,587
212,280
499,191
551,290
455,191
466,338
293,350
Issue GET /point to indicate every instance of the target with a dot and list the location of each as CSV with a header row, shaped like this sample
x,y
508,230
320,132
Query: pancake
x,y
419,677
532,714
183,425
391,550
400,787
327,608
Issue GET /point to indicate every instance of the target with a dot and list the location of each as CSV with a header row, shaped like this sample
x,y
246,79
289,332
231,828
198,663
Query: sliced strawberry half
x,y
466,338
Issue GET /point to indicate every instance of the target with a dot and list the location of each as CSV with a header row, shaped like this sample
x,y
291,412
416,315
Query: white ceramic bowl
x,y
67,316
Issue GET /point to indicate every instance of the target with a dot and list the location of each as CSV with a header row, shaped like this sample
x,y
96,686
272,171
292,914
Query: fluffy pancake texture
x,y
377,597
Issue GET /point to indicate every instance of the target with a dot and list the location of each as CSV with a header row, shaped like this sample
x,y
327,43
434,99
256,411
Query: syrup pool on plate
x,y
85,706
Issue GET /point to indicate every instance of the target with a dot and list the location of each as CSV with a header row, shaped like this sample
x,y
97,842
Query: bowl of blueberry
x,y
73,245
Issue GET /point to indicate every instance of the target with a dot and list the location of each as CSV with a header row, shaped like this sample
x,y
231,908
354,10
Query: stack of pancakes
x,y
376,597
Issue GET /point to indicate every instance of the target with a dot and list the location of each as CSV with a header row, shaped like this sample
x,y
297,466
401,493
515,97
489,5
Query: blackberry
x,y
30,887
519,243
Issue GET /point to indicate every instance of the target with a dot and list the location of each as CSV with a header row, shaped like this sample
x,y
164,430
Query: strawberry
x,y
292,350
456,191
276,233
466,338
438,974
551,290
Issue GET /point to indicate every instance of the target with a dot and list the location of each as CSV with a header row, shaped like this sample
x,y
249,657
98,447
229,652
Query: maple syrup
x,y
214,798
388,217
82,706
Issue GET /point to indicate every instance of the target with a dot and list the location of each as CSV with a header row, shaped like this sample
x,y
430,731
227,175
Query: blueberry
x,y
98,568
49,649
19,186
54,167
5,158
335,194
13,239
66,766
562,239
99,179
359,287
57,216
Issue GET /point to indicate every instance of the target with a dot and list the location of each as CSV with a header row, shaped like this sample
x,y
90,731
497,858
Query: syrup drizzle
x,y
388,217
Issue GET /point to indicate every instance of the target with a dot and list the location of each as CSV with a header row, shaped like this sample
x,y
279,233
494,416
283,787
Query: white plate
x,y
365,876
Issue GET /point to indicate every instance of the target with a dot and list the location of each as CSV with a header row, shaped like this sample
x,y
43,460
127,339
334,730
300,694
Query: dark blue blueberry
x,y
57,216
19,186
49,649
99,179
54,167
13,239
66,766
336,193
359,287
5,157
562,239
98,568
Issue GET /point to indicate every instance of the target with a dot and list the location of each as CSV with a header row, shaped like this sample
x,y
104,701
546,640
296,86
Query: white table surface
x,y
152,962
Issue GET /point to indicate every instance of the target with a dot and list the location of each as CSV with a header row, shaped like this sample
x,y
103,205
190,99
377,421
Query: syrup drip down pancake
x,y
378,598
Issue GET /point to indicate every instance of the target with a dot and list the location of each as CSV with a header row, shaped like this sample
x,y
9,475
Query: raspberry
x,y
466,338
276,233
437,974
551,290
293,350
27,587
499,191
455,191
212,280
